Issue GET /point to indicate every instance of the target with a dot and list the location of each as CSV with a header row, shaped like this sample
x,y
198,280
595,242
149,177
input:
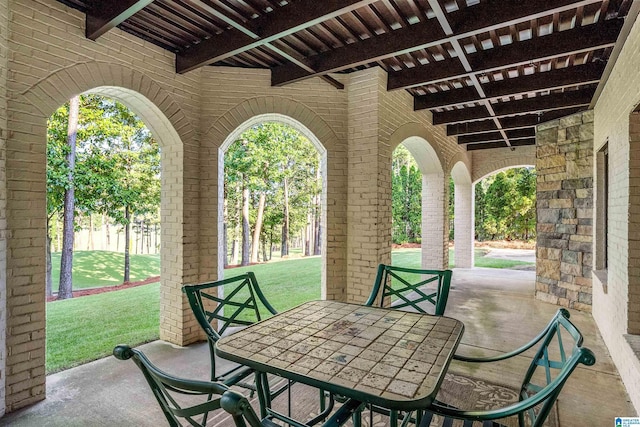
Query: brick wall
x,y
233,99
564,210
50,61
616,287
486,162
45,59
4,41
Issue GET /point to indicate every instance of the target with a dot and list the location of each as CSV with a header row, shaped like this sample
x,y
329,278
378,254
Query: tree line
x,y
102,162
504,203
272,194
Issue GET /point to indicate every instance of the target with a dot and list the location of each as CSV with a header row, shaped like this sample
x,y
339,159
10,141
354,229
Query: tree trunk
x,y
255,247
49,277
225,234
90,238
65,289
264,251
127,233
284,250
107,232
245,226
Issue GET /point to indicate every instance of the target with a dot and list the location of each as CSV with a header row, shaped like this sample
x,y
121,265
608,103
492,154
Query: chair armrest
x,y
561,312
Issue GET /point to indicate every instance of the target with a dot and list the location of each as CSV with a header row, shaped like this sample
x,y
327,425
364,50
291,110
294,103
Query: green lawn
x,y
87,328
93,269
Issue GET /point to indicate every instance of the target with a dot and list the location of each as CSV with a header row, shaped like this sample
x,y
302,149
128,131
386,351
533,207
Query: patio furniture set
x,y
388,356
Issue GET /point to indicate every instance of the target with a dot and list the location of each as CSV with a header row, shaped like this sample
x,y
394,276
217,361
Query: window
x,y
602,183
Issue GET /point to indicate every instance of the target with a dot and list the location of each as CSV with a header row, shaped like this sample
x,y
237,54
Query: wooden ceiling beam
x,y
515,122
556,101
501,144
550,80
242,37
102,16
424,35
567,42
497,136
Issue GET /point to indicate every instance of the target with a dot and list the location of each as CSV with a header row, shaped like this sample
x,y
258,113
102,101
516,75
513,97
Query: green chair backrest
x,y
559,354
408,286
226,303
172,392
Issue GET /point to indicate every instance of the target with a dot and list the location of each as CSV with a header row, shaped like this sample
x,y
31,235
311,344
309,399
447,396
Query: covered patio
x,y
496,306
470,87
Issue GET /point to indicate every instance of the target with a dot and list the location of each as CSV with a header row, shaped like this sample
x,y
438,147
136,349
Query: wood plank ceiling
x,y
489,70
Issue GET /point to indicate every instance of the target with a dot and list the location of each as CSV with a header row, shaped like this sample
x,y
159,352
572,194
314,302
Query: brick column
x,y
564,163
434,239
4,16
369,187
464,225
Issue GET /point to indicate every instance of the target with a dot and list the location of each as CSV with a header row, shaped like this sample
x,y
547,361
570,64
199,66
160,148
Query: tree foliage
x,y
266,158
505,205
406,182
117,170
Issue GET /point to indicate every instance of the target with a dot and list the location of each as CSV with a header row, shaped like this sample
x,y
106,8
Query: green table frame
x,y
388,358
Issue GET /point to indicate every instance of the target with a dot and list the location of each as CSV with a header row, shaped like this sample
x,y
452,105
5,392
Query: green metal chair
x,y
407,285
216,313
559,354
179,398
240,409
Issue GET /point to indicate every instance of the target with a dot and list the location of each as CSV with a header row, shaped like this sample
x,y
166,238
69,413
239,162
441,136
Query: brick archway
x,y
26,210
312,125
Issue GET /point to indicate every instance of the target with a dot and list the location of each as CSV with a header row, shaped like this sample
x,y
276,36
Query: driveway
x,y
525,255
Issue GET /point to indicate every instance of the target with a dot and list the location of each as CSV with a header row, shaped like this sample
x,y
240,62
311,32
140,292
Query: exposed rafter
x,y
490,69
575,98
551,80
105,15
567,42
422,36
242,37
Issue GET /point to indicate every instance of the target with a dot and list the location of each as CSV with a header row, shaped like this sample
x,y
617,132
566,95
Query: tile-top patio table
x,y
390,358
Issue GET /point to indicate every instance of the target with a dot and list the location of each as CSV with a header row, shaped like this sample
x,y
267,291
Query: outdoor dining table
x,y
388,358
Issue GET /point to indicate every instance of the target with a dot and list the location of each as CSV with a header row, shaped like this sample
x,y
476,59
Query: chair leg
x,y
264,394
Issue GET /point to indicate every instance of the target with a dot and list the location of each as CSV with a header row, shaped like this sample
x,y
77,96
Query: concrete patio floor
x,y
497,307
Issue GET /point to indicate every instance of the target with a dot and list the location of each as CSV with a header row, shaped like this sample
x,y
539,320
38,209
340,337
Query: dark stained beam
x,y
501,144
590,37
284,21
423,35
555,101
105,15
466,128
556,79
373,49
515,122
497,136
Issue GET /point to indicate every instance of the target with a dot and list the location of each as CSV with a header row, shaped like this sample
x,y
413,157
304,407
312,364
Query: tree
x,y
406,199
278,169
118,163
65,289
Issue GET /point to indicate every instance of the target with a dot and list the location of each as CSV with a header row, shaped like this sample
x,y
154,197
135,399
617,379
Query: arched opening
x,y
432,211
320,233
505,216
114,239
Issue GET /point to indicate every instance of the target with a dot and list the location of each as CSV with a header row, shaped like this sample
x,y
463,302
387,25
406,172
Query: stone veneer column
x,y
433,235
564,163
463,233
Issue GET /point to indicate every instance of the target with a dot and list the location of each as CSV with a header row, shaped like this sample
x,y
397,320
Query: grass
x,y
84,329
93,269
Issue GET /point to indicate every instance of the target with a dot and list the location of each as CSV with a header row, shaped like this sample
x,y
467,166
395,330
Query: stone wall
x,y
564,163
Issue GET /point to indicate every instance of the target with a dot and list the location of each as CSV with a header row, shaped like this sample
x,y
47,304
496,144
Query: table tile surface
x,y
389,354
